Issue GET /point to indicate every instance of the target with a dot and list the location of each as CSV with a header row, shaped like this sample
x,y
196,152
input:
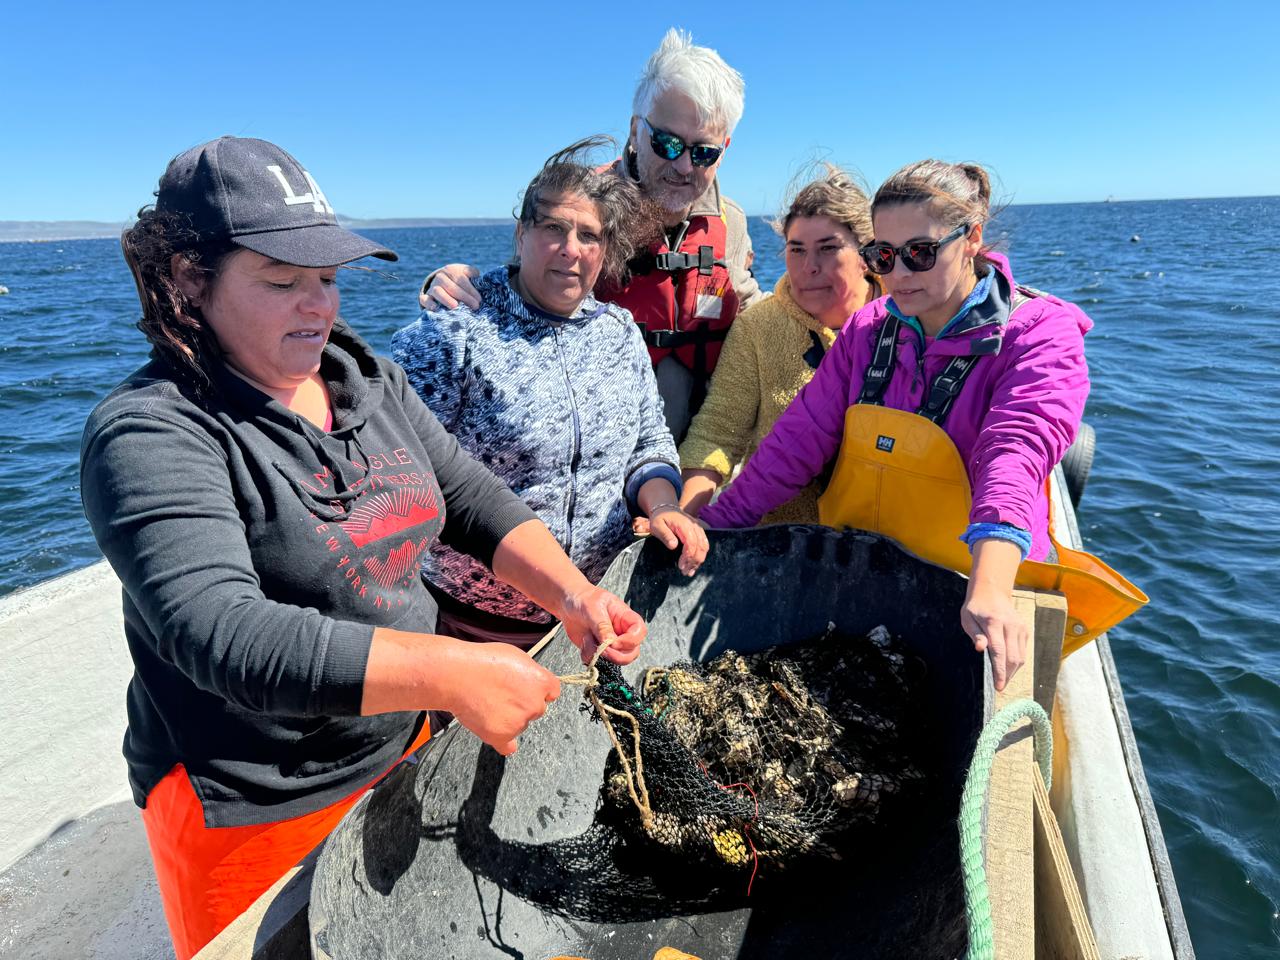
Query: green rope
x,y
628,694
666,689
973,802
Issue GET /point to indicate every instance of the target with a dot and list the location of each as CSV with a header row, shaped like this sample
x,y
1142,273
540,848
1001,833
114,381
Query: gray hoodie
x,y
257,554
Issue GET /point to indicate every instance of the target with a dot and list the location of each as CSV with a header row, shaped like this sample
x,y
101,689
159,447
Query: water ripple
x,y
1183,497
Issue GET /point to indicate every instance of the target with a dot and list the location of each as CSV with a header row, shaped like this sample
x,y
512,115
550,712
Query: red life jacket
x,y
683,300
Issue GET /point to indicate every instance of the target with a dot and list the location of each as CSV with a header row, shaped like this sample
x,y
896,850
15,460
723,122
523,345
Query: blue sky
x,y
426,110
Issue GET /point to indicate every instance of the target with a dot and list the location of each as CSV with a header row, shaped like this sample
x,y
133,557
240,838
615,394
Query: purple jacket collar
x,y
975,331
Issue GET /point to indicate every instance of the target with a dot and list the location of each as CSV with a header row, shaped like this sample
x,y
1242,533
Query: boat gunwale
x,y
1158,851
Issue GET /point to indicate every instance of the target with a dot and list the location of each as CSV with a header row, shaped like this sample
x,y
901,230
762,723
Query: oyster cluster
x,y
772,754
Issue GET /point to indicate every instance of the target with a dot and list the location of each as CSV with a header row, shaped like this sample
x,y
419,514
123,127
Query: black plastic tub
x,y
466,854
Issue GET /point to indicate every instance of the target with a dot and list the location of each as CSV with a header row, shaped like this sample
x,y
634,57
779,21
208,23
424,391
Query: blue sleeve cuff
x,y
998,531
642,474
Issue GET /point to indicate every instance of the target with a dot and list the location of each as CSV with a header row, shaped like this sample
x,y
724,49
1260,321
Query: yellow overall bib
x,y
900,475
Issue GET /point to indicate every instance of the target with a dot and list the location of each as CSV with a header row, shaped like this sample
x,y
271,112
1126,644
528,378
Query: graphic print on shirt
x,y
385,515
386,528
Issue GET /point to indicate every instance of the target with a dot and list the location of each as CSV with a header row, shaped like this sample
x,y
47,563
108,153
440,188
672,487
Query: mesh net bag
x,y
759,759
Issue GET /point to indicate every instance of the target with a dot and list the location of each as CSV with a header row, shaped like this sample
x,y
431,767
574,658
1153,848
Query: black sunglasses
x,y
669,147
917,256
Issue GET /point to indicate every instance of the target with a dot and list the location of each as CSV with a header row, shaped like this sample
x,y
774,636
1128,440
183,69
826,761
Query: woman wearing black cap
x,y
264,488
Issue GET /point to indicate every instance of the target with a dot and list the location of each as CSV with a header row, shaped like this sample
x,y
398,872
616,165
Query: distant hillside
x,y
13,230
49,230
354,224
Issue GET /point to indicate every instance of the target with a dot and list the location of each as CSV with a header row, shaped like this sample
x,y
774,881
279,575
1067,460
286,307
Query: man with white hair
x,y
686,289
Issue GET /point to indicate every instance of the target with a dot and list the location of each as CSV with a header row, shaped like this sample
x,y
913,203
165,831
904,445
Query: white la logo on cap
x,y
315,196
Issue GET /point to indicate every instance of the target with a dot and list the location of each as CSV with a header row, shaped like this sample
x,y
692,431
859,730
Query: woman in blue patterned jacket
x,y
553,391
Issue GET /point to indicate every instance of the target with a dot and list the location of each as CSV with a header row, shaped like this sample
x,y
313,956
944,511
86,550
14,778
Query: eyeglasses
x,y
917,256
670,147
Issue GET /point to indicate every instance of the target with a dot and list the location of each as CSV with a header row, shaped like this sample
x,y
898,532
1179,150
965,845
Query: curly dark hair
x,y
170,320
629,221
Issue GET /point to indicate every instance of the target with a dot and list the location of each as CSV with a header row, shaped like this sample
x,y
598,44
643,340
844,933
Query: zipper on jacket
x,y
918,377
575,450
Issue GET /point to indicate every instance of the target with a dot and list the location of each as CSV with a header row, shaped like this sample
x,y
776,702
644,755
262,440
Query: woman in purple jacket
x,y
949,402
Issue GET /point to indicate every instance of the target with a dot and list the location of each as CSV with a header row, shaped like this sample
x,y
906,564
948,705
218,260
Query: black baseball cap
x,y
260,198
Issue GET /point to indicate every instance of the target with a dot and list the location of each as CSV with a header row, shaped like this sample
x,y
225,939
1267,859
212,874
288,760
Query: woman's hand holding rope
x,y
596,620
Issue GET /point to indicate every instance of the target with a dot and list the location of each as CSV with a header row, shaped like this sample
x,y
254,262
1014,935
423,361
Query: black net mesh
x,y
544,853
756,760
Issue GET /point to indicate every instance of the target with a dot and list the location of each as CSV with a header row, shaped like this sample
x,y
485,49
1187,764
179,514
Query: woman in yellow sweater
x,y
774,347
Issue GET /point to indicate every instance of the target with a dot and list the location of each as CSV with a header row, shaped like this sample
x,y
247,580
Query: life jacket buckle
x,y
706,260
670,261
662,339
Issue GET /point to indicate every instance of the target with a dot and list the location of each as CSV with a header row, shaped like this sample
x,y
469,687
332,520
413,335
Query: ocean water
x,y
1185,360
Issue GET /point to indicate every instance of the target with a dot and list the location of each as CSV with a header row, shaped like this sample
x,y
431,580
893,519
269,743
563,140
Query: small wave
x,y
1178,498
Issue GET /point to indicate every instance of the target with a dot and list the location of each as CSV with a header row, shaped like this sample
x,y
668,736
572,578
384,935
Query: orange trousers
x,y
208,876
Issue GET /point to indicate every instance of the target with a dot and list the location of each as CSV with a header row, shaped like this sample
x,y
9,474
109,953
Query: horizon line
x,y
410,222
